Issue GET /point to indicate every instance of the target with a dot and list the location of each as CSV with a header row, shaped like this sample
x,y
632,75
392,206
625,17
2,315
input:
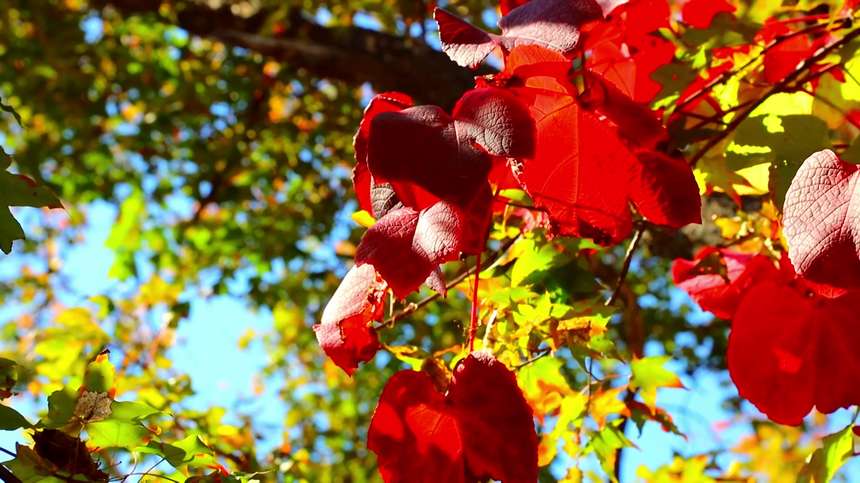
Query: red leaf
x,y
482,429
626,51
783,58
717,278
361,179
579,172
464,43
582,172
506,6
413,432
790,350
406,246
664,190
821,220
553,24
636,122
495,420
344,332
700,13
426,154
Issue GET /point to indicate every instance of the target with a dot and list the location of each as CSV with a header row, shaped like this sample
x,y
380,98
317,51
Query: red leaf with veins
x,y
406,246
580,171
426,154
483,428
553,24
821,220
414,434
790,350
361,179
700,13
583,172
344,332
718,278
492,414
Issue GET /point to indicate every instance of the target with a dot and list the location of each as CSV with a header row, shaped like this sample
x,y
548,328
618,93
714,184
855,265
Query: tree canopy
x,y
491,237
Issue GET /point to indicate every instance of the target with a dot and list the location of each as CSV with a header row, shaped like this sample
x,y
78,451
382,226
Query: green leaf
x,y
649,374
11,419
113,433
827,460
531,261
99,376
131,411
61,407
19,190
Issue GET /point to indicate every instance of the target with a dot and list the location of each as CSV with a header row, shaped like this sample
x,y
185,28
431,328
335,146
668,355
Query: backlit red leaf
x,y
700,13
414,434
483,428
344,332
492,414
664,190
790,350
717,279
783,58
821,220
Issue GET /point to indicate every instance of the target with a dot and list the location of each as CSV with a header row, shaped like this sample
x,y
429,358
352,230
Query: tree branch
x,y
351,54
781,86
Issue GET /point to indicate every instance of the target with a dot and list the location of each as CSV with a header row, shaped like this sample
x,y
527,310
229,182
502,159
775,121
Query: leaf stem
x,y
473,320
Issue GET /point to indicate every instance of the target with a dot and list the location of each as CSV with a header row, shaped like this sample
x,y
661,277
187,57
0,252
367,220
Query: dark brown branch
x,y
628,258
351,54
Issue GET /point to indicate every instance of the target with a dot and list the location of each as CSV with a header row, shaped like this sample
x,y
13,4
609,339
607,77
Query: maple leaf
x,y
427,155
344,332
406,246
361,178
717,278
790,350
553,24
481,429
821,220
700,13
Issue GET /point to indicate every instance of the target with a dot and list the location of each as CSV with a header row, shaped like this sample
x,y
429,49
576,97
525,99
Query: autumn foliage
x,y
567,120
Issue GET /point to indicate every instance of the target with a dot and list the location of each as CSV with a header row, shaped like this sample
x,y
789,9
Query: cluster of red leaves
x,y
793,342
480,428
583,144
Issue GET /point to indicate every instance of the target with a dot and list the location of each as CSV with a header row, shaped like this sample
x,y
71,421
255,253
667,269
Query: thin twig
x,y
7,476
534,359
757,58
414,307
628,258
473,319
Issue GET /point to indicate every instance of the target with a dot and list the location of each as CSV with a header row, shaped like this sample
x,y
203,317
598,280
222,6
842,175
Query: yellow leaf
x,y
363,218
